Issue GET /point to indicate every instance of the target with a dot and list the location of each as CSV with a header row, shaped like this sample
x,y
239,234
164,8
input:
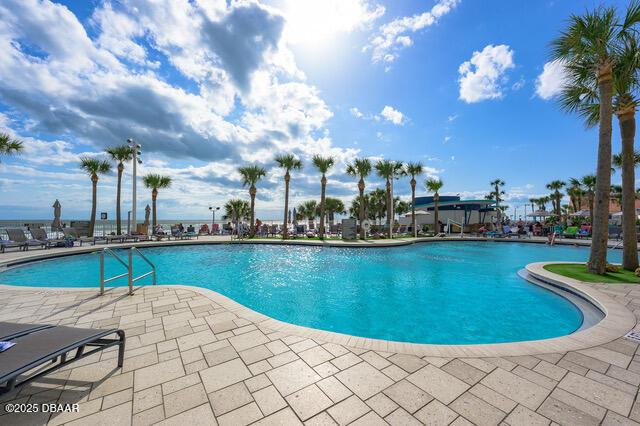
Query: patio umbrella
x,y
540,213
289,217
295,219
147,212
419,212
56,225
581,213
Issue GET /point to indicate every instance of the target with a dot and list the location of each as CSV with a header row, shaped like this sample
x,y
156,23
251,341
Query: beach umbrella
x,y
540,213
147,212
581,213
419,212
56,225
289,217
295,219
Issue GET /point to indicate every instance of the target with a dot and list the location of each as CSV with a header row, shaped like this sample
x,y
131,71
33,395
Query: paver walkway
x,y
190,361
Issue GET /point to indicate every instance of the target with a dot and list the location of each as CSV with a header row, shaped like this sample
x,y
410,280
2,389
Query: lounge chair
x,y
41,235
571,232
39,346
17,235
72,234
176,233
12,330
5,244
584,231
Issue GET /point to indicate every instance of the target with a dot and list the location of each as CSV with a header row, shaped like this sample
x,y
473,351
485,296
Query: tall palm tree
x,y
333,206
323,164
401,207
497,184
119,154
308,210
377,205
589,48
542,202
9,146
533,202
360,168
575,193
589,183
354,210
413,170
556,186
251,175
288,162
386,169
94,168
434,185
236,210
155,182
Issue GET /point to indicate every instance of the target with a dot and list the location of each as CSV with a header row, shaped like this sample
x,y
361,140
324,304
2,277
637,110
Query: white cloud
x,y
483,76
447,139
452,118
356,112
550,82
393,115
392,36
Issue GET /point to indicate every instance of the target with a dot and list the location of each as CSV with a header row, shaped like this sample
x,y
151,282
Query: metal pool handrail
x,y
128,265
119,259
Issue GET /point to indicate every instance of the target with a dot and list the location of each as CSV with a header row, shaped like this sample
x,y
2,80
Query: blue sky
x,y
206,86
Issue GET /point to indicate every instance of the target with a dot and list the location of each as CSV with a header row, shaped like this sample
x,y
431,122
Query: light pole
x,y
135,149
213,219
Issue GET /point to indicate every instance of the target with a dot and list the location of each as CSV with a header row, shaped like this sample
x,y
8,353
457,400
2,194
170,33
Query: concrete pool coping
x,y
618,320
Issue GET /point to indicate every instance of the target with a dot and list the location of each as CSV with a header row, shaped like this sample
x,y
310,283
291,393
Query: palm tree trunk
x,y
389,209
285,229
627,123
598,255
322,200
94,196
436,220
361,207
498,211
413,207
252,193
118,190
154,197
591,197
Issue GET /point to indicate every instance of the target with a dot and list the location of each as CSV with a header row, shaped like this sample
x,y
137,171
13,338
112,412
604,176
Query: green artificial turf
x,y
579,272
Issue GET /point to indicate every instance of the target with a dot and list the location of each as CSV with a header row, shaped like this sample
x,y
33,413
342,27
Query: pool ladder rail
x,y
128,265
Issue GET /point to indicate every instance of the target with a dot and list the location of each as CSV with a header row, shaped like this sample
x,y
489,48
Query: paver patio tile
x,y
248,340
117,398
369,419
292,377
534,377
335,349
516,388
221,355
334,389
241,416
281,359
381,404
439,384
302,345
148,417
148,398
395,373
436,413
112,384
364,380
255,354
199,416
614,383
257,382
119,415
229,398
277,347
408,396
348,410
223,375
147,377
322,419
613,419
184,400
603,395
624,375
315,356
401,418
550,370
180,383
608,356
308,402
346,360
585,361
565,414
476,410
191,341
463,371
284,417
408,363
493,397
269,400
578,403
523,416
375,360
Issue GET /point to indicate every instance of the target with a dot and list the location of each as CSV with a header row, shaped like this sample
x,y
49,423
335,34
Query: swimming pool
x,y
439,293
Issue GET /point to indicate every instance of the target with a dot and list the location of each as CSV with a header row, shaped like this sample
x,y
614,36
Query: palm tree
x,y
9,146
497,184
250,177
155,182
533,201
542,202
333,206
575,193
323,164
386,169
360,168
287,162
377,205
94,167
589,183
401,206
434,185
236,210
555,186
308,210
354,210
413,170
119,154
616,195
591,50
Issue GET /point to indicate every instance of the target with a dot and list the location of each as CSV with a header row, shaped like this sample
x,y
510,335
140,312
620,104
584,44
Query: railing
x,y
128,265
449,222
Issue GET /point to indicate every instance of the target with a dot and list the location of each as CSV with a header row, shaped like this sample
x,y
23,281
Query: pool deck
x,y
196,357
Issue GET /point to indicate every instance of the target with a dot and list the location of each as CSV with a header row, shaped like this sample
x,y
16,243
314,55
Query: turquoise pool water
x,y
443,293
